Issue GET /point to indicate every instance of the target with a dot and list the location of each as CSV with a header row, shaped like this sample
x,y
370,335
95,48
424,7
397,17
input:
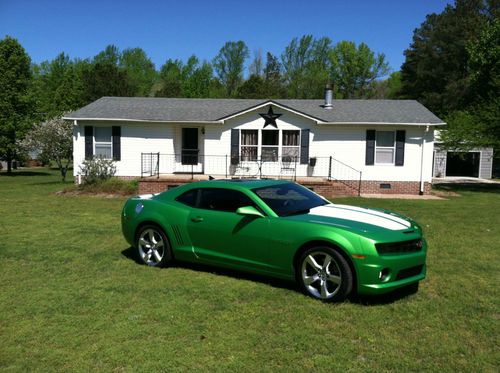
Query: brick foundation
x,y
328,189
393,187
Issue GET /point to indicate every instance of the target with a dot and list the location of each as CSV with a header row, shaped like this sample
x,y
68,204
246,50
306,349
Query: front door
x,y
190,148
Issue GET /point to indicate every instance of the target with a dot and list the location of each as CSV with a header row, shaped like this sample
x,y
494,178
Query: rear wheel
x,y
153,247
324,274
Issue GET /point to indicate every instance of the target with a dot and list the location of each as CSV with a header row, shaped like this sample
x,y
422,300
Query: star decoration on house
x,y
270,118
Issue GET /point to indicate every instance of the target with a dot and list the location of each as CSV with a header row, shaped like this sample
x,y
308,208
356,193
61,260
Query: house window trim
x,y
393,162
94,142
259,145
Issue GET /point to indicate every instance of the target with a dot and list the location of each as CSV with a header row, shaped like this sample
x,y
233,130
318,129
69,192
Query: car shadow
x,y
388,298
130,253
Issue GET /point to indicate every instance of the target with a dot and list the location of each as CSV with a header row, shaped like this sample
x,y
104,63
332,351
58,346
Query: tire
x,y
324,274
153,247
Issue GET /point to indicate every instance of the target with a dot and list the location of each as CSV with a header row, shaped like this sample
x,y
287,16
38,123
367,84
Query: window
x,y
385,147
102,142
290,145
270,145
288,199
249,145
188,198
223,199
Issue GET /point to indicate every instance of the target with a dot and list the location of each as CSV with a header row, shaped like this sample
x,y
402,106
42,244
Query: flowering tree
x,y
53,139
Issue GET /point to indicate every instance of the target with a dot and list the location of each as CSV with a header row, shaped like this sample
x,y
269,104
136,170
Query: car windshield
x,y
289,199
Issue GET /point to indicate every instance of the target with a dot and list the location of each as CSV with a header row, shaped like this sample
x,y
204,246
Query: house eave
x,y
144,120
384,123
270,102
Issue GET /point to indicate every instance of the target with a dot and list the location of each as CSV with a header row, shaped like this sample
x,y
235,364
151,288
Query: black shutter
x,y
116,131
304,147
235,146
400,148
89,142
370,147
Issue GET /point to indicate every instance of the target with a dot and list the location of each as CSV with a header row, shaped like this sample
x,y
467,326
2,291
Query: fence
x,y
286,167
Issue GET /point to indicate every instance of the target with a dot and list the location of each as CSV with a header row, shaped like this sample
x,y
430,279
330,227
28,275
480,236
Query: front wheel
x,y
153,246
324,274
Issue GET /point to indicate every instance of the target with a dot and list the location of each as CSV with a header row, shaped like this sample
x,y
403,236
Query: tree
x,y
199,81
229,65
110,55
256,67
389,88
478,124
355,69
57,86
140,70
105,79
15,106
306,66
53,139
253,87
273,79
171,79
435,70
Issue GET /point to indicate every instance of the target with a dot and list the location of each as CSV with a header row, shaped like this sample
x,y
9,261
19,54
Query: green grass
x,y
74,299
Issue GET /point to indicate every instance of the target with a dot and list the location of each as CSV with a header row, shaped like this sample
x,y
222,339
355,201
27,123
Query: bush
x,y
97,169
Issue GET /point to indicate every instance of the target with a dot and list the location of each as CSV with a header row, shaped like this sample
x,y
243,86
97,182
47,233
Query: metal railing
x,y
285,167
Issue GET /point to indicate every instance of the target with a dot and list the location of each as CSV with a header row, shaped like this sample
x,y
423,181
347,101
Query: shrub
x,y
97,169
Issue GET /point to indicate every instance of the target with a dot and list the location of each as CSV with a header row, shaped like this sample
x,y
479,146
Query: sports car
x,y
280,229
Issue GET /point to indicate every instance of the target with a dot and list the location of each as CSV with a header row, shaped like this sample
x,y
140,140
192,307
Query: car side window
x,y
221,199
188,198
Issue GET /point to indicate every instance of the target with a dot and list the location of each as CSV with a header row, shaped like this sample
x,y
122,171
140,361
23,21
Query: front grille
x,y
409,272
399,247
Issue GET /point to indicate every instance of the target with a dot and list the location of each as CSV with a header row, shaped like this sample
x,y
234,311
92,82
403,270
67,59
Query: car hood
x,y
355,218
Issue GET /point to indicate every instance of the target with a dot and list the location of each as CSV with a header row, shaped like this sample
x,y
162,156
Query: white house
x,y
370,146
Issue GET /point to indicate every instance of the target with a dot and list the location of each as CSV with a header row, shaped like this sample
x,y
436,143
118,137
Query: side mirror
x,y
249,211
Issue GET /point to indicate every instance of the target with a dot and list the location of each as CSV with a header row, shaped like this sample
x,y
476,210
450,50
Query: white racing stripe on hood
x,y
361,215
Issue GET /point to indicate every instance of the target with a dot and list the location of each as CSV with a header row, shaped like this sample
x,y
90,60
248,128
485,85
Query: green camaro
x,y
279,229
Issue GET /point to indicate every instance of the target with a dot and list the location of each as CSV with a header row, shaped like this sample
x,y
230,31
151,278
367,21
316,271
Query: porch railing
x,y
286,167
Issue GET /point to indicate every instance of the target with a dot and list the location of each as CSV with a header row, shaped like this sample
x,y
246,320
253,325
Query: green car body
x,y
382,250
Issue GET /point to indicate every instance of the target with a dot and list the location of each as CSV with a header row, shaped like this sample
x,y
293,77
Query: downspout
x,y
75,134
422,161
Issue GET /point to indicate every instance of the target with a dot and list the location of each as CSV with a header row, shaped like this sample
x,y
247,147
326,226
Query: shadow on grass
x,y
388,298
468,187
24,173
130,253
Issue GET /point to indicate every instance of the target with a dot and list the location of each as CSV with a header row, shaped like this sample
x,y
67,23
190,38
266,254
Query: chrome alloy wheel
x,y
151,247
321,275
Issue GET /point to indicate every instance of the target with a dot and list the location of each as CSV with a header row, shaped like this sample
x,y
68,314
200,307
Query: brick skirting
x,y
328,189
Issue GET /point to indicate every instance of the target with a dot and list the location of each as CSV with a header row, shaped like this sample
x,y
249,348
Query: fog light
x,y
384,274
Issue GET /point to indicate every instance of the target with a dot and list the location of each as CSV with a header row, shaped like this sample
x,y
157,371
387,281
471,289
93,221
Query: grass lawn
x,y
73,298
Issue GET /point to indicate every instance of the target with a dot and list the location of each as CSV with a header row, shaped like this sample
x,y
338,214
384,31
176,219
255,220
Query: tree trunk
x,y
9,165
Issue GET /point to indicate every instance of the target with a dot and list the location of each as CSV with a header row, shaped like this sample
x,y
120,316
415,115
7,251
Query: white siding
x,y
136,138
345,143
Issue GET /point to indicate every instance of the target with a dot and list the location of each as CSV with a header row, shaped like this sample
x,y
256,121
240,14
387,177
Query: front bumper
x,y
384,273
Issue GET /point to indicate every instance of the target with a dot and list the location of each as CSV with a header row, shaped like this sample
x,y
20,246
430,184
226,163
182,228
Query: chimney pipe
x,y
328,96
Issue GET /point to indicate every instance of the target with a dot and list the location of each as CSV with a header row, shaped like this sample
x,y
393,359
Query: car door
x,y
220,236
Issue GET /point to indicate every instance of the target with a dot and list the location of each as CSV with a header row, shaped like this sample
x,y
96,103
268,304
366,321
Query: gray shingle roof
x,y
193,110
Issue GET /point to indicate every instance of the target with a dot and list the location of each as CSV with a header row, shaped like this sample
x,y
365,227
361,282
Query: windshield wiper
x,y
298,212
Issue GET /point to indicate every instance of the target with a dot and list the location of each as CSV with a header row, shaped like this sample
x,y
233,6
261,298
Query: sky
x,y
180,28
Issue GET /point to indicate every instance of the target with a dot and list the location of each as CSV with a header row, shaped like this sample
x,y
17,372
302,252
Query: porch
x,y
326,175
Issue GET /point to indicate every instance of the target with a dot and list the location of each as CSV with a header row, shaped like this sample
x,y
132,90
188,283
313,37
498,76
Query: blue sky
x,y
178,29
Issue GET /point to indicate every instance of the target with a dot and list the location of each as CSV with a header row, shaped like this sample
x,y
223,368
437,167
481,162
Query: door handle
x,y
197,219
